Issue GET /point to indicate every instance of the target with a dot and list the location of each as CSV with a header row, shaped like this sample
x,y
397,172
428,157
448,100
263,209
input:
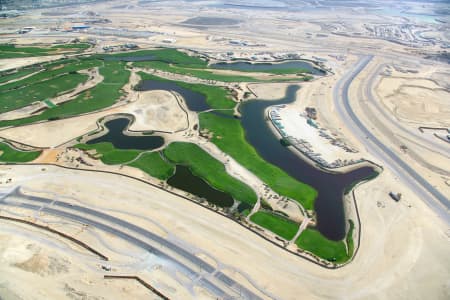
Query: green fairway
x,y
229,136
54,69
277,224
7,76
168,55
213,171
199,73
9,154
101,96
13,51
216,97
314,242
17,98
174,61
110,155
153,164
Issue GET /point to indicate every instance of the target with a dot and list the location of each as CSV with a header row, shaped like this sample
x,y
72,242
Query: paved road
x,y
416,182
72,211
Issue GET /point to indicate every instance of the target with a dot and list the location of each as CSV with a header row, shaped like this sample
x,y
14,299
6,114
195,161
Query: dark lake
x,y
194,101
329,204
262,67
116,137
184,179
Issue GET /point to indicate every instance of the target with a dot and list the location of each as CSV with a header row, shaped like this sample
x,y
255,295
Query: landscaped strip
x,y
108,154
12,51
7,76
279,225
205,73
210,169
154,165
229,136
11,155
313,241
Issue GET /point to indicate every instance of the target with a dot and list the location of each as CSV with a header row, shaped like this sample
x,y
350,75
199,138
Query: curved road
x,y
376,147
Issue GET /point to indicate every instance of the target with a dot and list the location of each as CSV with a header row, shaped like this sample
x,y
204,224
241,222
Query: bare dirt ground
x,y
418,101
404,241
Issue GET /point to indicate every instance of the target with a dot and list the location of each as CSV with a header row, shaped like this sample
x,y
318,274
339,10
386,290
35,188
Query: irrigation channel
x,y
183,178
264,67
330,186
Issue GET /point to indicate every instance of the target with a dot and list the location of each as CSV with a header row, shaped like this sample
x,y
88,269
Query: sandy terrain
x,y
418,101
404,246
403,241
296,126
157,109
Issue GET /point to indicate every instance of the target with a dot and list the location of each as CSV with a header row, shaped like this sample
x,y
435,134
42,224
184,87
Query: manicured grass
x,y
7,76
54,69
110,155
72,46
311,240
199,73
229,136
17,98
168,55
9,154
153,164
49,103
101,96
278,225
13,51
349,239
213,171
216,97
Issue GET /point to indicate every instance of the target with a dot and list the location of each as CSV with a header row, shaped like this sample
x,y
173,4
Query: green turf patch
x,y
189,71
52,70
229,136
211,170
7,76
153,164
14,51
9,154
168,55
313,241
108,154
49,103
101,96
349,239
216,97
17,98
277,224
72,46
